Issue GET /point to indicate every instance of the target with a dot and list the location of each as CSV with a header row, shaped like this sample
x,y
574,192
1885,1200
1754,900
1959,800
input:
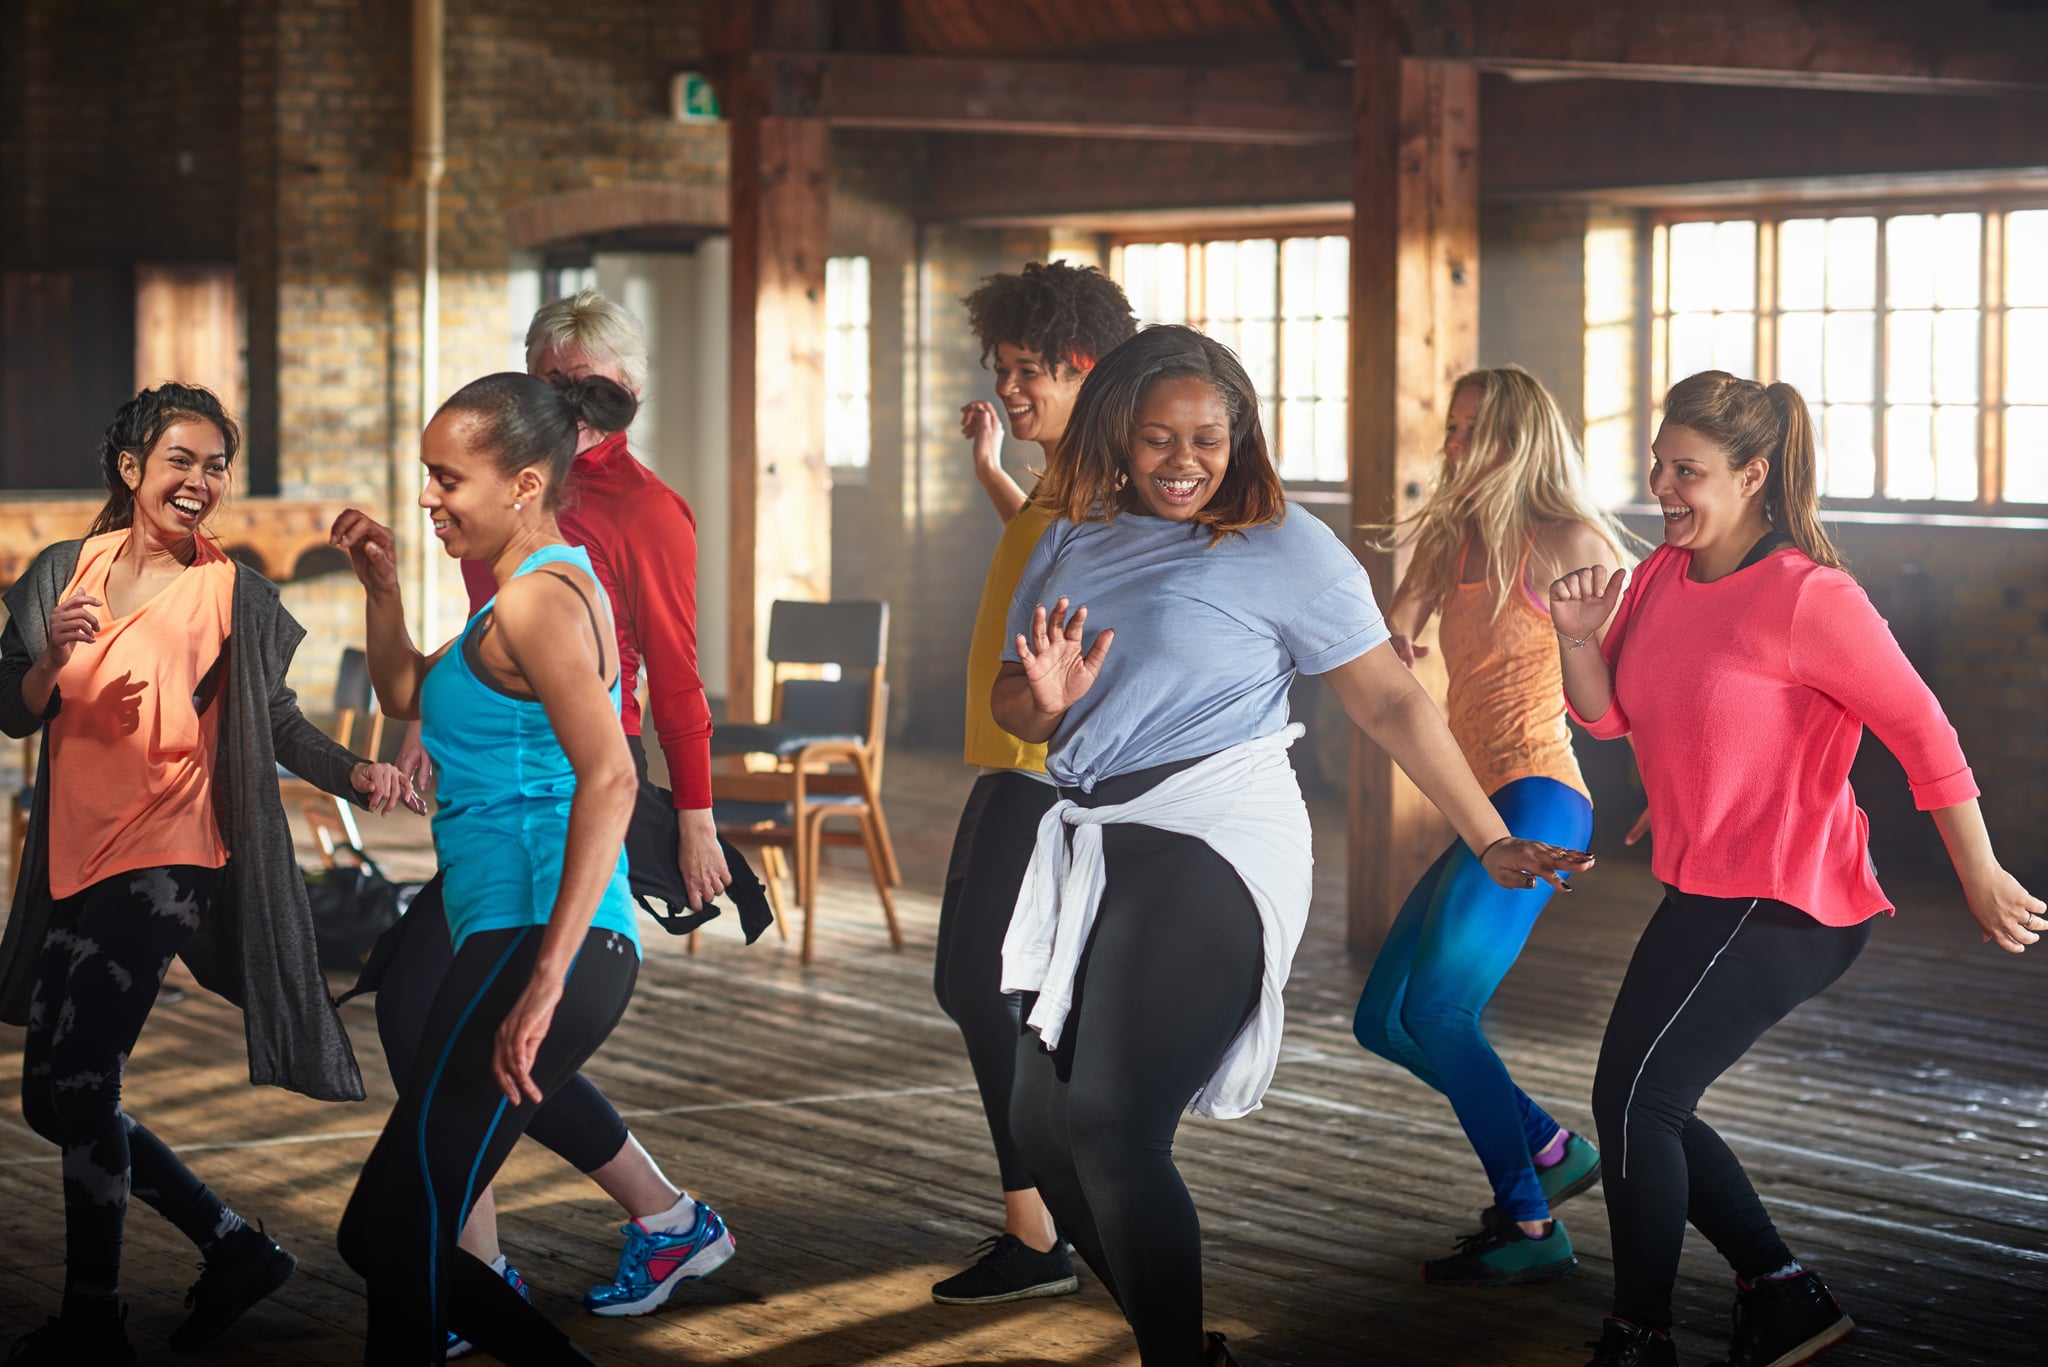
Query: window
x,y
1283,305
846,362
1891,325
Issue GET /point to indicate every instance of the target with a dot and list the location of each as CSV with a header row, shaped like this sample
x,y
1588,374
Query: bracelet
x,y
1489,849
1571,644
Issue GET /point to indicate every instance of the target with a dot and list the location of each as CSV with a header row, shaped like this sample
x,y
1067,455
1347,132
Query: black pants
x,y
1709,977
102,963
1169,976
445,1140
991,850
578,1122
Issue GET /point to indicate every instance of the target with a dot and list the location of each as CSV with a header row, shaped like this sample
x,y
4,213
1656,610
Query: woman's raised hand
x,y
1516,863
980,425
2010,916
1057,669
73,624
372,553
1582,601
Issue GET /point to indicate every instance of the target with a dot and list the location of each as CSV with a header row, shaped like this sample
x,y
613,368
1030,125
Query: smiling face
x,y
183,480
1181,448
1036,396
1459,423
470,501
1706,504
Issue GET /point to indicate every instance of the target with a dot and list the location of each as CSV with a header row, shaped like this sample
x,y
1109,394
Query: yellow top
x,y
989,746
1506,702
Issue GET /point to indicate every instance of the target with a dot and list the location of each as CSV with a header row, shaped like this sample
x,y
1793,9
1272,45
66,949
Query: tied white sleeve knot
x,y
1245,804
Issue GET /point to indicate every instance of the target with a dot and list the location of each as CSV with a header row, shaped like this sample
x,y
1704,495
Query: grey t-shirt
x,y
1208,638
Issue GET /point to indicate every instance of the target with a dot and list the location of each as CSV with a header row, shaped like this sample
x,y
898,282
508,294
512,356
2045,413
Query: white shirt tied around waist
x,y
1245,804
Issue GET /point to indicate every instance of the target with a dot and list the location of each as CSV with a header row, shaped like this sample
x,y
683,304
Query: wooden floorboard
x,y
1898,1128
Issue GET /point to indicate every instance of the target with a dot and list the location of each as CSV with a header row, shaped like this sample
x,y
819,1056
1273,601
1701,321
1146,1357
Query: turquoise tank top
x,y
504,787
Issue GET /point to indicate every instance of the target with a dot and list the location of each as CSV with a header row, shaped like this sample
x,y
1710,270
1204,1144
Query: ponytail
x,y
519,421
1749,421
138,426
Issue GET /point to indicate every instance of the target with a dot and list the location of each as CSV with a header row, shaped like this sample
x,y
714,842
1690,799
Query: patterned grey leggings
x,y
103,961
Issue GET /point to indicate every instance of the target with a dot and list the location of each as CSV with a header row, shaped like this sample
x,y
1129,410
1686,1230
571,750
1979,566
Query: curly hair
x,y
138,426
1070,315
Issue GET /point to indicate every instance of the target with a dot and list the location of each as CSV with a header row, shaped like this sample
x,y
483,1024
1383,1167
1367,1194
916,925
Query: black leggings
x,y
1169,976
1709,977
991,850
577,1122
102,963
444,1141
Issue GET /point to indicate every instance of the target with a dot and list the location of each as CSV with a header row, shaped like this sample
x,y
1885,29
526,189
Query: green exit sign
x,y
691,97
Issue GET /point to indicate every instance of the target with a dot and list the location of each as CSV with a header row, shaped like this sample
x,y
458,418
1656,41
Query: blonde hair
x,y
594,325
1750,420
1521,472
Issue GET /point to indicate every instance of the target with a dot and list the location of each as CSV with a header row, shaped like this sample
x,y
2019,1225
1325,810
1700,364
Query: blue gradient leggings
x,y
1457,936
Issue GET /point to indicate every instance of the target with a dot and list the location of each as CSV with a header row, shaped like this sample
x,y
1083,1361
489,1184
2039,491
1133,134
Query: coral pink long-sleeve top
x,y
1747,698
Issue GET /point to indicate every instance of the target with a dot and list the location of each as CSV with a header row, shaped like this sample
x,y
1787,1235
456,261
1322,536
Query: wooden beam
x,y
1414,330
781,508
1079,99
1904,45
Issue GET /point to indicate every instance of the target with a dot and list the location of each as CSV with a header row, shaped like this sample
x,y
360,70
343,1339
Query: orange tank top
x,y
131,756
1506,700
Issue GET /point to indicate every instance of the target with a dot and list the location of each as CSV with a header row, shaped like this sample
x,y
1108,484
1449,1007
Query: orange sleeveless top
x,y
131,758
1506,701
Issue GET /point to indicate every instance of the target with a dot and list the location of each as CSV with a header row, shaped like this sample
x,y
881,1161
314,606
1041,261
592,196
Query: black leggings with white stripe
x,y
1709,977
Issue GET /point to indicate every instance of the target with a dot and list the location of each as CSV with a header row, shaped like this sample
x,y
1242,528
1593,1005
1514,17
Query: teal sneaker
x,y
1577,1172
1501,1255
655,1262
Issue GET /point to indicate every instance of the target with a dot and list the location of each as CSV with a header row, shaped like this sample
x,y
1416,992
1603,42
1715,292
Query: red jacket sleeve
x,y
1843,648
662,594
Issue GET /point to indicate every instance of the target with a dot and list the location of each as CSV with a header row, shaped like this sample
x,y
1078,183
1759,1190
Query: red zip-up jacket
x,y
642,540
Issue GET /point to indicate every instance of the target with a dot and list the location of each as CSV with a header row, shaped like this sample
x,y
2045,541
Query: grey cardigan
x,y
255,945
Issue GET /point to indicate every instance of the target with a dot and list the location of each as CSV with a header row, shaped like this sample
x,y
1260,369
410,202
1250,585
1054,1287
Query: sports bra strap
x,y
472,641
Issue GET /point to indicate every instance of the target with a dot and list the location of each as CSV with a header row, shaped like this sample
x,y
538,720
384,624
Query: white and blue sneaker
x,y
654,1262
460,1347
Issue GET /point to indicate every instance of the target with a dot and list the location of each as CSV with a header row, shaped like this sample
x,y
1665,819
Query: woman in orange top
x,y
146,798
1509,506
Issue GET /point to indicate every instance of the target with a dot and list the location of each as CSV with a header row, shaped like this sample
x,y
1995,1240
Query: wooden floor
x,y
1896,1127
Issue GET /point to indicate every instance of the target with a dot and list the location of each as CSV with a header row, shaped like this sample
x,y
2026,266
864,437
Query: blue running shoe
x,y
654,1263
460,1347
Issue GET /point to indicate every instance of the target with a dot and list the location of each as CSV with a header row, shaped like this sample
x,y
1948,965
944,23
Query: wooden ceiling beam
x,y
1882,45
1072,99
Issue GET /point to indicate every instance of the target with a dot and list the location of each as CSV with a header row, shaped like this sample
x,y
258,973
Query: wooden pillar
x,y
1414,330
781,507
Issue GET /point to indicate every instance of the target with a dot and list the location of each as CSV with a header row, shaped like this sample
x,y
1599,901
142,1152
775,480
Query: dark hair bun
x,y
597,401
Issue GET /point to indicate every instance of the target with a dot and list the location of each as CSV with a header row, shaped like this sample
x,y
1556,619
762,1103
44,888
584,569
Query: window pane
x,y
1852,263
1170,283
2026,257
1848,465
1958,259
1298,438
1799,352
1955,356
1909,366
1692,344
1333,277
2026,356
1136,262
1257,342
1735,265
1298,360
1909,261
1332,441
1226,331
2026,455
1219,276
1850,358
1735,344
1955,453
1256,262
1333,358
1802,263
1298,277
857,285
1692,267
1612,462
1909,452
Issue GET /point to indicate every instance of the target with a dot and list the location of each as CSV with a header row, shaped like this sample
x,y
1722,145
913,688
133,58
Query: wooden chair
x,y
355,703
818,756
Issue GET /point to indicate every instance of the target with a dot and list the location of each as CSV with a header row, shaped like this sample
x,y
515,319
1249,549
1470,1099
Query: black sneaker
x,y
1008,1269
1785,1321
1622,1344
1500,1254
76,1340
1219,1353
229,1283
